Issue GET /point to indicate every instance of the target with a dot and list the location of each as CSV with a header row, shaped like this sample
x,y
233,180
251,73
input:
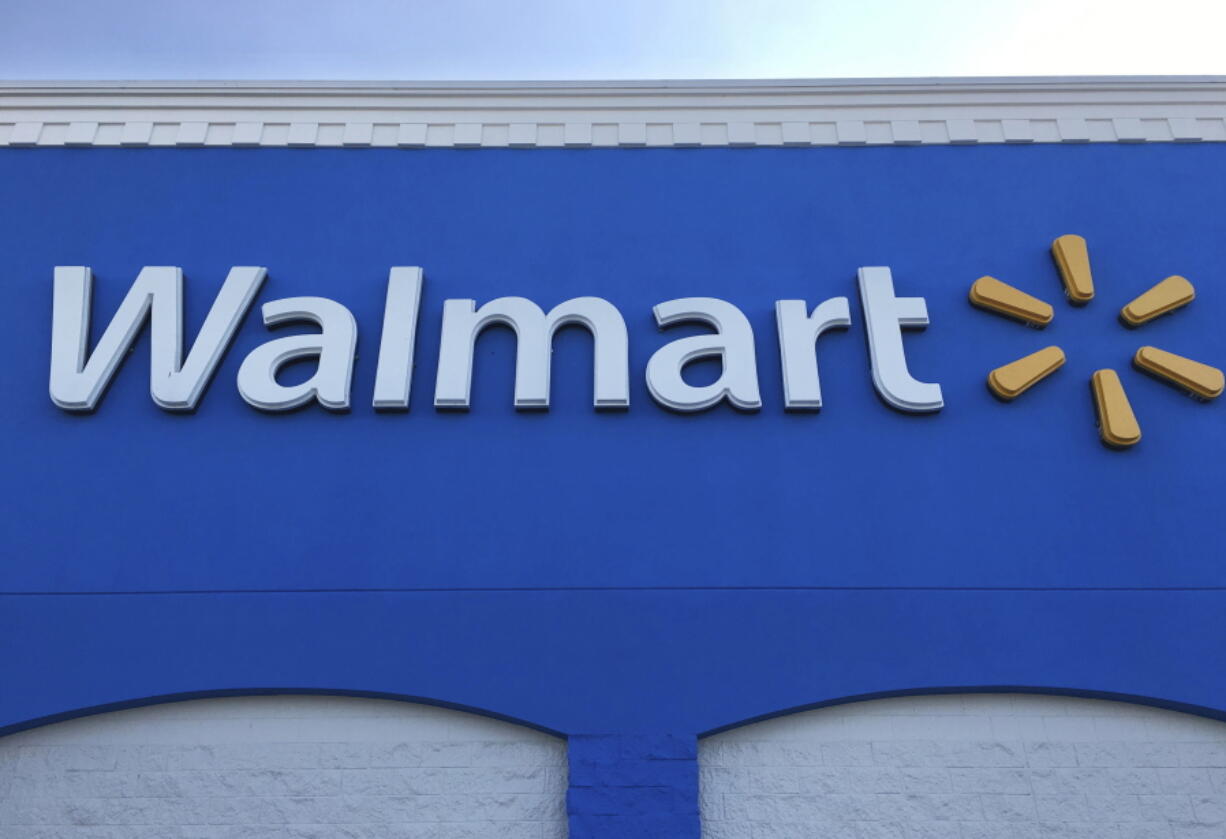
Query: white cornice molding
x,y
852,112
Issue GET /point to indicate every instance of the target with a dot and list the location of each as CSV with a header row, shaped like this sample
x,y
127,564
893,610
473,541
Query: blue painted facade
x,y
630,578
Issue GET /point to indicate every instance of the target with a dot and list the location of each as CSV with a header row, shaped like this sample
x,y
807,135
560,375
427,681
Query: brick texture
x,y
282,768
975,766
633,786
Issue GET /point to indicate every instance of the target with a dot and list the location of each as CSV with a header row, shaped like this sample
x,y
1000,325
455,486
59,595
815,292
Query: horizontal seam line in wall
x,y
513,589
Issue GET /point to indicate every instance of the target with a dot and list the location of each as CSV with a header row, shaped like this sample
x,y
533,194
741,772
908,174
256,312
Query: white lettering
x,y
732,343
534,330
77,384
798,334
885,315
333,345
394,375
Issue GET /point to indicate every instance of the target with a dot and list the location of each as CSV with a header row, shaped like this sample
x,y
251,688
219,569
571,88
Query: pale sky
x,y
611,39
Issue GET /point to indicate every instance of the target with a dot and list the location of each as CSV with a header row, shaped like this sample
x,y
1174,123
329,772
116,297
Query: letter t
x,y
884,316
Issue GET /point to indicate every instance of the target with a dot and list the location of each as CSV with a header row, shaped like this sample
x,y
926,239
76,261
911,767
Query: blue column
x,y
633,786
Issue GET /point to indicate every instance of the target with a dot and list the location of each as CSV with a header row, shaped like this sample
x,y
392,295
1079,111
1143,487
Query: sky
x,y
421,40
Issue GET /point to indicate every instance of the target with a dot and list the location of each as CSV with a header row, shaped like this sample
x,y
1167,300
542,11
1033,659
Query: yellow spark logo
x,y
1117,423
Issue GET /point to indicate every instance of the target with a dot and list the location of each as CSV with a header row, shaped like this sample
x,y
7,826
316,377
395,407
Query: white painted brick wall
x,y
974,766
282,767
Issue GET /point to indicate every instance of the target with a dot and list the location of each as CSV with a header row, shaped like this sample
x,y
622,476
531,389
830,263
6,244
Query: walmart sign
x,y
681,541
79,378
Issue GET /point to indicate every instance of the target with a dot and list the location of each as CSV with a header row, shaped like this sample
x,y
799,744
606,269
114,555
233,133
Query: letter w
x,y
77,383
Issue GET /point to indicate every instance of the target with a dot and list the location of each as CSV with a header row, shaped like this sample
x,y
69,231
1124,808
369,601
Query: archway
x,y
990,765
285,765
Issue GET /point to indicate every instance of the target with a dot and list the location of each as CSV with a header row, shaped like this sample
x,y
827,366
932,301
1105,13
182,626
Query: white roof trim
x,y
852,112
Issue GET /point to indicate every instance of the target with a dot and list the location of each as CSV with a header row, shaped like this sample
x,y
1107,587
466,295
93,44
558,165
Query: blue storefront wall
x,y
626,578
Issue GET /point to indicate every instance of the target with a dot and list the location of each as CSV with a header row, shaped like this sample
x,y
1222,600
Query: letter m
x,y
534,331
78,380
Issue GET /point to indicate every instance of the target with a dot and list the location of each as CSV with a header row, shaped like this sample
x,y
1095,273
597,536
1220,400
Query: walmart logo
x,y
1117,423
79,377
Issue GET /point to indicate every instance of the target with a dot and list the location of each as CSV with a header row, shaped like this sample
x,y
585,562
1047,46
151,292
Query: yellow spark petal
x,y
1073,259
1166,296
996,296
1117,424
1015,378
1200,379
